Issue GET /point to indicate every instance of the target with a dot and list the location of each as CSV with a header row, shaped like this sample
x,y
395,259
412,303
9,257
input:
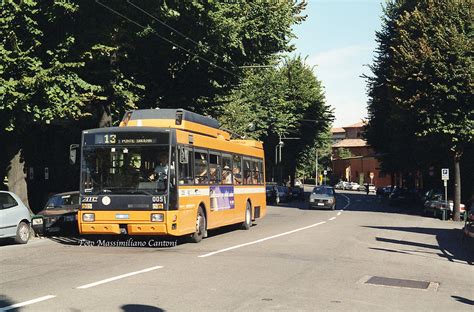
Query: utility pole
x,y
316,168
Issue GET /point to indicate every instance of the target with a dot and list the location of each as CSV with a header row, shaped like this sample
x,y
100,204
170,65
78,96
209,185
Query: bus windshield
x,y
125,170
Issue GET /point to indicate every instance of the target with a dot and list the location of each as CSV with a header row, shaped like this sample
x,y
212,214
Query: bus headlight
x,y
157,217
88,217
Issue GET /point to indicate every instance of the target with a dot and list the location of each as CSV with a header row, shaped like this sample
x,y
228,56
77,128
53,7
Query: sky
x,y
338,39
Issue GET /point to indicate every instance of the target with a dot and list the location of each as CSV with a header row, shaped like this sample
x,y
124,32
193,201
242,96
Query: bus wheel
x,y
197,236
248,217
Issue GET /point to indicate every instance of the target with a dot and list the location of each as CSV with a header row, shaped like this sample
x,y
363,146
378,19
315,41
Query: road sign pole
x,y
445,178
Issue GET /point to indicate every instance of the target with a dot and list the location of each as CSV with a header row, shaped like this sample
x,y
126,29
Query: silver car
x,y
15,218
322,197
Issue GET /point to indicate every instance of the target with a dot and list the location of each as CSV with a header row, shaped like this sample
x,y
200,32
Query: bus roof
x,y
174,118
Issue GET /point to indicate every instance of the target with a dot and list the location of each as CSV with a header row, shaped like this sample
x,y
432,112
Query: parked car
x,y
353,186
58,215
362,188
322,197
341,185
283,193
384,191
402,195
272,193
15,218
439,207
297,192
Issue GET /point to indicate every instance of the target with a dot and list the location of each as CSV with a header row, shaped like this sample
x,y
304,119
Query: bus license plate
x,y
121,216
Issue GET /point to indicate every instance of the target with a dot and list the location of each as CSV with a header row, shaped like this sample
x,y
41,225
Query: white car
x,y
15,218
353,186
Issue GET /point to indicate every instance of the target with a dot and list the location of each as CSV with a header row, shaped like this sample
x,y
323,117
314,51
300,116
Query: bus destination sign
x,y
126,138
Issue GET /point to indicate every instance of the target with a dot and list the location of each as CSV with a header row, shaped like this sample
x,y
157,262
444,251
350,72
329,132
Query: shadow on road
x,y
140,308
463,300
6,302
450,242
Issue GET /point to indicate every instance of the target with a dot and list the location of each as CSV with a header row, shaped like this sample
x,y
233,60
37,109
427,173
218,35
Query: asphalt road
x,y
293,259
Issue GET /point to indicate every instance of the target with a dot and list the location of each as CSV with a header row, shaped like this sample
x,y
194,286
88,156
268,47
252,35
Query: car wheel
x,y
248,217
197,236
22,233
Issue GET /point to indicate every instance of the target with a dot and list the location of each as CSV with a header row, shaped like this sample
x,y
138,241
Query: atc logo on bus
x,y
90,199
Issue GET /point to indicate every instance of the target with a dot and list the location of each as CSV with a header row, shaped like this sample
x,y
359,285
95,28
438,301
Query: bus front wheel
x,y
197,236
248,217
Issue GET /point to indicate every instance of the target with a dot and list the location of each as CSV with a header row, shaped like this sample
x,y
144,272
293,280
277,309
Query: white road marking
x,y
339,213
118,277
22,304
261,240
333,218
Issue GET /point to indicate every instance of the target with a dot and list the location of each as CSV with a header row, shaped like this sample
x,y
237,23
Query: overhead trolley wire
x,y
166,39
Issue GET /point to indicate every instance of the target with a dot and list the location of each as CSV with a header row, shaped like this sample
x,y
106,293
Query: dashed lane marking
x,y
260,240
108,280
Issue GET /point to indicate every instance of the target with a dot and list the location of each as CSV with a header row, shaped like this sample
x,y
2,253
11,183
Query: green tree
x,y
344,153
433,64
422,86
280,102
38,80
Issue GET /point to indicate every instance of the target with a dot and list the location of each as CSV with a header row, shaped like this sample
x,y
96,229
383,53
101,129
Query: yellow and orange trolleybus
x,y
168,172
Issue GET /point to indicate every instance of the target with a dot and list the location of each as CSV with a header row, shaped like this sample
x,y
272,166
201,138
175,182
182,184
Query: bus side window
x,y
201,175
185,168
236,169
247,171
226,169
260,171
214,168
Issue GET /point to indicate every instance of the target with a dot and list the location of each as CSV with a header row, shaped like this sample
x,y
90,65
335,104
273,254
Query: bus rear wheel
x,y
197,236
248,217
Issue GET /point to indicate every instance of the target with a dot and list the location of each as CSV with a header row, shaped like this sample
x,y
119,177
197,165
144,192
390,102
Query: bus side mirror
x,y
72,153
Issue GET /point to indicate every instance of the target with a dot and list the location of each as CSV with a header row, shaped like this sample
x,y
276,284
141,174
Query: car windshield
x,y
58,201
125,170
323,190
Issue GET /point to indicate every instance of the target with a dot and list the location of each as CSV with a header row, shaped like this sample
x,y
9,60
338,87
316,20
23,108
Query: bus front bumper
x,y
131,229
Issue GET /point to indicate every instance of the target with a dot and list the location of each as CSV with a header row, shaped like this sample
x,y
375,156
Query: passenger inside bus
x,y
226,175
237,176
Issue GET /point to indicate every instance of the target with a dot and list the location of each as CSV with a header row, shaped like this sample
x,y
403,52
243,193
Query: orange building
x,y
361,166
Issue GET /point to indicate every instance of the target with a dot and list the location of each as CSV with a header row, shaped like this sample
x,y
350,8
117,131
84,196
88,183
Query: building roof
x,y
357,125
351,143
337,130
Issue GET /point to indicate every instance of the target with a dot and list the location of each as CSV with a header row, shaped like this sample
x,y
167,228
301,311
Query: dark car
x,y
402,195
283,193
297,192
272,194
58,215
384,191
322,197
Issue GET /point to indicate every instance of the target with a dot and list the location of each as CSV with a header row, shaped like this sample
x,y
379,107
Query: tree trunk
x,y
16,174
457,188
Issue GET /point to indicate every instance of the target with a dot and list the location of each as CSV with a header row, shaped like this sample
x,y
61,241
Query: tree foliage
x,y
281,102
421,93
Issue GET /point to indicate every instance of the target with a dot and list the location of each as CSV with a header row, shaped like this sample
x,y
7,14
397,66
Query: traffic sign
x,y
325,172
445,174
